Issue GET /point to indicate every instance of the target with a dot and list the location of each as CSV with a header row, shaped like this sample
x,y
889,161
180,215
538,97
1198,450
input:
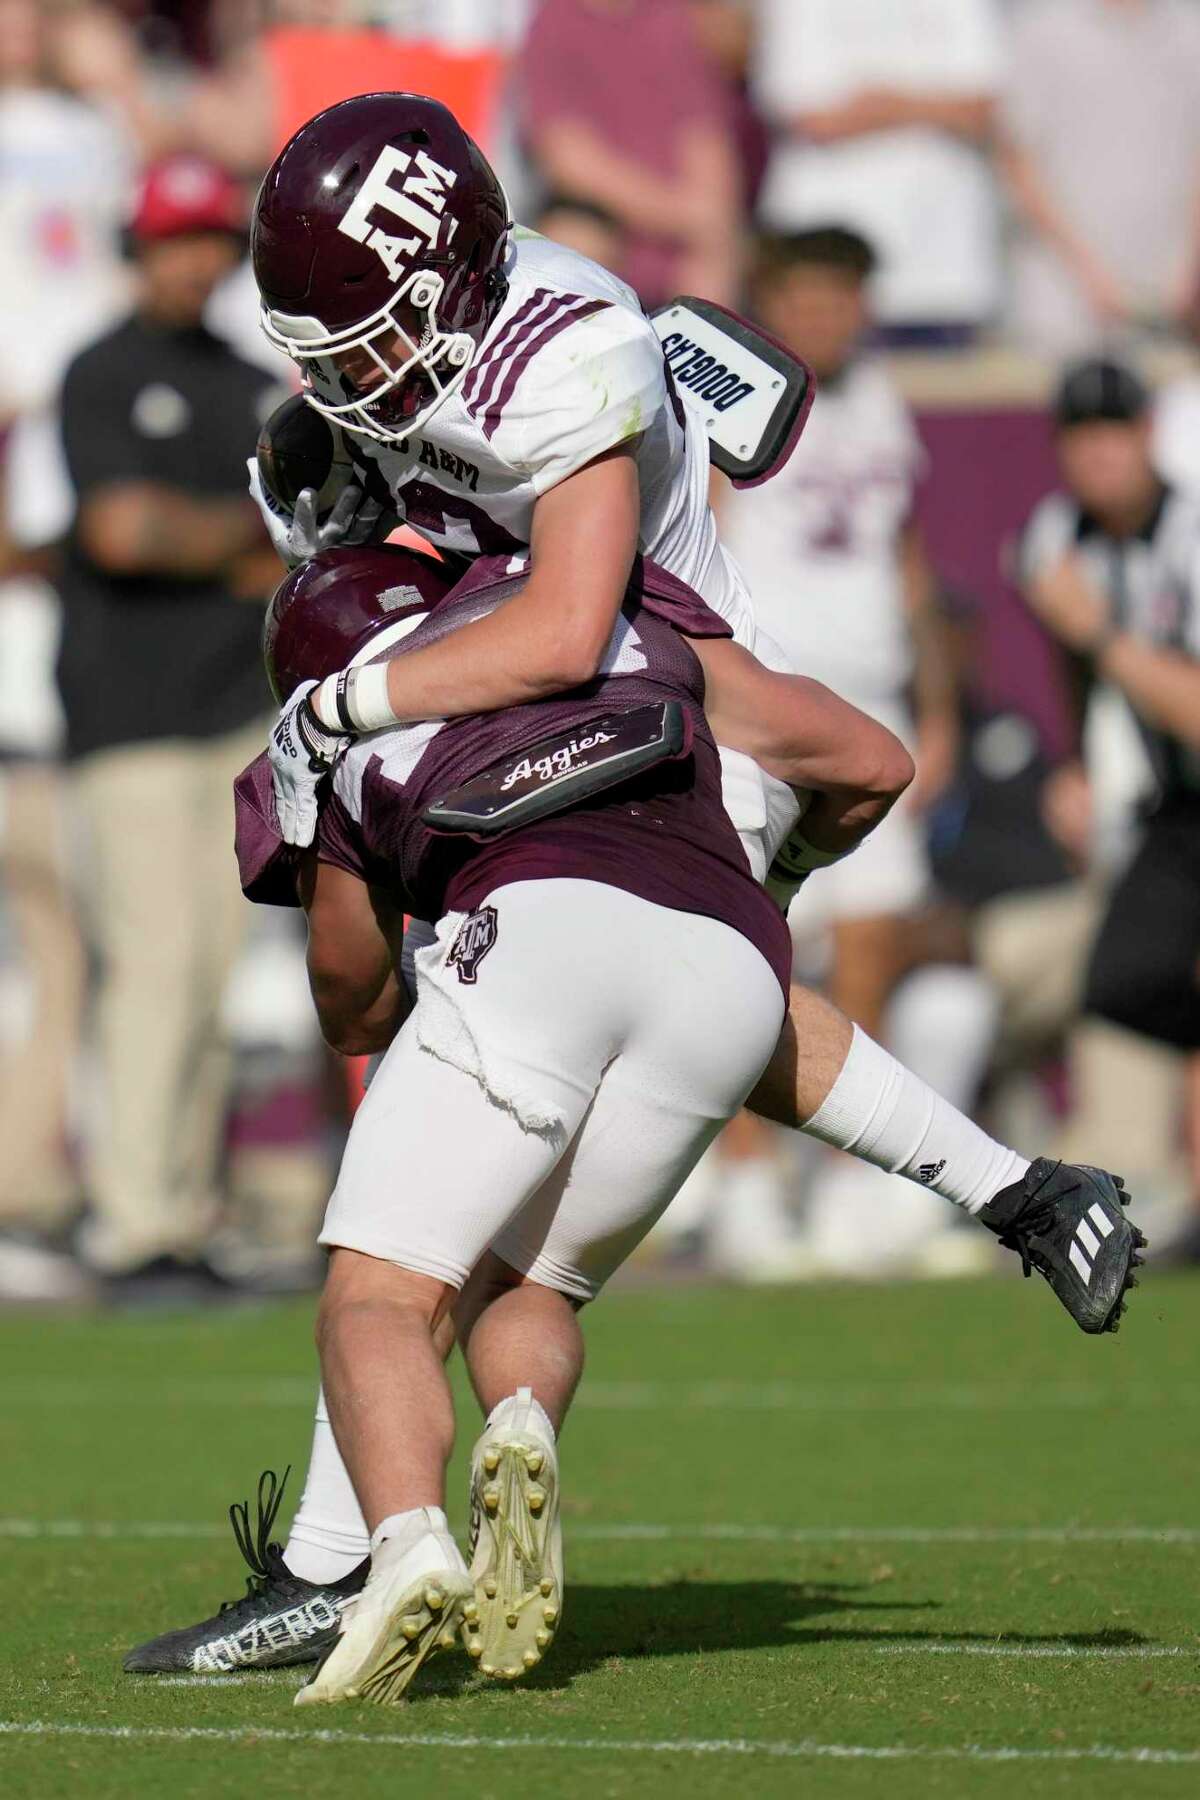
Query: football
x,y
298,449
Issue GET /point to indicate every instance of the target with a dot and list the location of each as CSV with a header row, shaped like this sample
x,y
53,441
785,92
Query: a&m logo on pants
x,y
476,935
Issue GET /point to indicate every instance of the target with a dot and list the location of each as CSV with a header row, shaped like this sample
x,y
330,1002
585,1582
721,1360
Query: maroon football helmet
x,y
343,604
378,239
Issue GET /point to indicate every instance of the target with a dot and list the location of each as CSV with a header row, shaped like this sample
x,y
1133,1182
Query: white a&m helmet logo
x,y
418,202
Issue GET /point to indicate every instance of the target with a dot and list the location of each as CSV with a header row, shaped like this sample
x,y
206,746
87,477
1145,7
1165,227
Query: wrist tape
x,y
355,701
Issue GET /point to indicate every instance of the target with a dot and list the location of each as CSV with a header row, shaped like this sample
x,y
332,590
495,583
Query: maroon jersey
x,y
663,835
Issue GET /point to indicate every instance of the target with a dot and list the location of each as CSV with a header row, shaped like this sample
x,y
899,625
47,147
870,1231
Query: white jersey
x,y
64,174
569,368
818,543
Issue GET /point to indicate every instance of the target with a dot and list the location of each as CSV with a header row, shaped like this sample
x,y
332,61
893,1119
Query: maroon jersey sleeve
x,y
340,841
267,866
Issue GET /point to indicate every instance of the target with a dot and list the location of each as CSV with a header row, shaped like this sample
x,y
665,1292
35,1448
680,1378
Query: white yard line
x,y
802,1750
638,1532
650,1396
1042,1650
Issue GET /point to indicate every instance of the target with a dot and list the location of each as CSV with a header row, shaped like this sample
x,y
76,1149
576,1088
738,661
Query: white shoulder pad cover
x,y
751,392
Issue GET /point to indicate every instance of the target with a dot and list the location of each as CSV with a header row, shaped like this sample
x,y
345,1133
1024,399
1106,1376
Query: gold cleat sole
x,y
515,1560
427,1618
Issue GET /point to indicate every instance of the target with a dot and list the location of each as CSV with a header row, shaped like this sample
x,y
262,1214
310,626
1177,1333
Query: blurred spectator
x,y
301,56
164,697
64,167
64,174
884,111
620,106
582,225
835,562
1103,160
1111,567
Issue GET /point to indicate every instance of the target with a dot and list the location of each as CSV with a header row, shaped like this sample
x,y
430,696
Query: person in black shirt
x,y
164,575
1112,567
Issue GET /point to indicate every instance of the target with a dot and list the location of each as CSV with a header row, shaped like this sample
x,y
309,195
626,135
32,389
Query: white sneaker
x,y
411,1606
516,1542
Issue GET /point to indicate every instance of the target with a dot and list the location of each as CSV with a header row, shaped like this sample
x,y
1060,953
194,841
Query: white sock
x,y
524,1402
329,1535
881,1113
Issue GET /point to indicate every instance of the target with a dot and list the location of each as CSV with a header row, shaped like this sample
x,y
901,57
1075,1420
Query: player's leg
x,y
688,1059
831,1080
433,1167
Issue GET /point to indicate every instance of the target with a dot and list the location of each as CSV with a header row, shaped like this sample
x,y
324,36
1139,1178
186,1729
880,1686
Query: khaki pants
x,y
167,918
37,1184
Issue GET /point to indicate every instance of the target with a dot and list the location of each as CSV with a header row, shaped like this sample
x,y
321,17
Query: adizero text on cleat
x,y
1067,1221
516,1544
281,1619
394,1627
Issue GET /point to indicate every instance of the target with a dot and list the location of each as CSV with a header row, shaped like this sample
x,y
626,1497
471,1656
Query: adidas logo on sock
x,y
1085,1243
927,1172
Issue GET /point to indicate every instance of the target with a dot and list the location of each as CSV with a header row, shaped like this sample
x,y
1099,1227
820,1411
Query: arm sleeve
x,y
339,840
598,384
99,443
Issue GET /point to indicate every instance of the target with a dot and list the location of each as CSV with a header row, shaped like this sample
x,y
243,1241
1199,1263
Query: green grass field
x,y
918,1541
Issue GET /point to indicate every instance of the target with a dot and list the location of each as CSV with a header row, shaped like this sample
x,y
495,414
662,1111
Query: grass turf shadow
x,y
604,1624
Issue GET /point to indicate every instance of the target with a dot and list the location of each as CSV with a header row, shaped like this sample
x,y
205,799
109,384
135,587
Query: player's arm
x,y
355,933
804,734
549,637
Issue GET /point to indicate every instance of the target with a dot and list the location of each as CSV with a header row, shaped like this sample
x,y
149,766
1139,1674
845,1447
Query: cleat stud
x,y
491,1461
546,1587
471,1614
434,1599
411,1628
489,1587
491,1498
537,1500
447,1640
550,1614
531,1659
533,1462
544,1639
512,1671
487,1668
512,1620
475,1648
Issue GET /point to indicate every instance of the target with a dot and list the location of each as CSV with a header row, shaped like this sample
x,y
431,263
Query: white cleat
x,y
405,1613
516,1544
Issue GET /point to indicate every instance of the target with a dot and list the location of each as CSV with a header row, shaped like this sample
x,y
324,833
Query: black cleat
x,y
282,1619
1068,1222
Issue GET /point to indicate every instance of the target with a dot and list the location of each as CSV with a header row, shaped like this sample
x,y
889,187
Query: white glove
x,y
301,754
296,535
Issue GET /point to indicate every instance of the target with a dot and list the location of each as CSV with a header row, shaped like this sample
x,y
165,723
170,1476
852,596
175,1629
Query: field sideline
x,y
822,1540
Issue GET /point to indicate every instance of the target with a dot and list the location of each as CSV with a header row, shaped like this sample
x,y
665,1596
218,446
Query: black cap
x,y
1099,389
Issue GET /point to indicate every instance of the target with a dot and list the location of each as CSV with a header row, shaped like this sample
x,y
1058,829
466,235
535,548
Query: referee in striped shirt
x,y
1111,566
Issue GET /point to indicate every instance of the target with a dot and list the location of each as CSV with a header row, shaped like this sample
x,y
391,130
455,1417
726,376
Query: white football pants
x,y
572,1052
